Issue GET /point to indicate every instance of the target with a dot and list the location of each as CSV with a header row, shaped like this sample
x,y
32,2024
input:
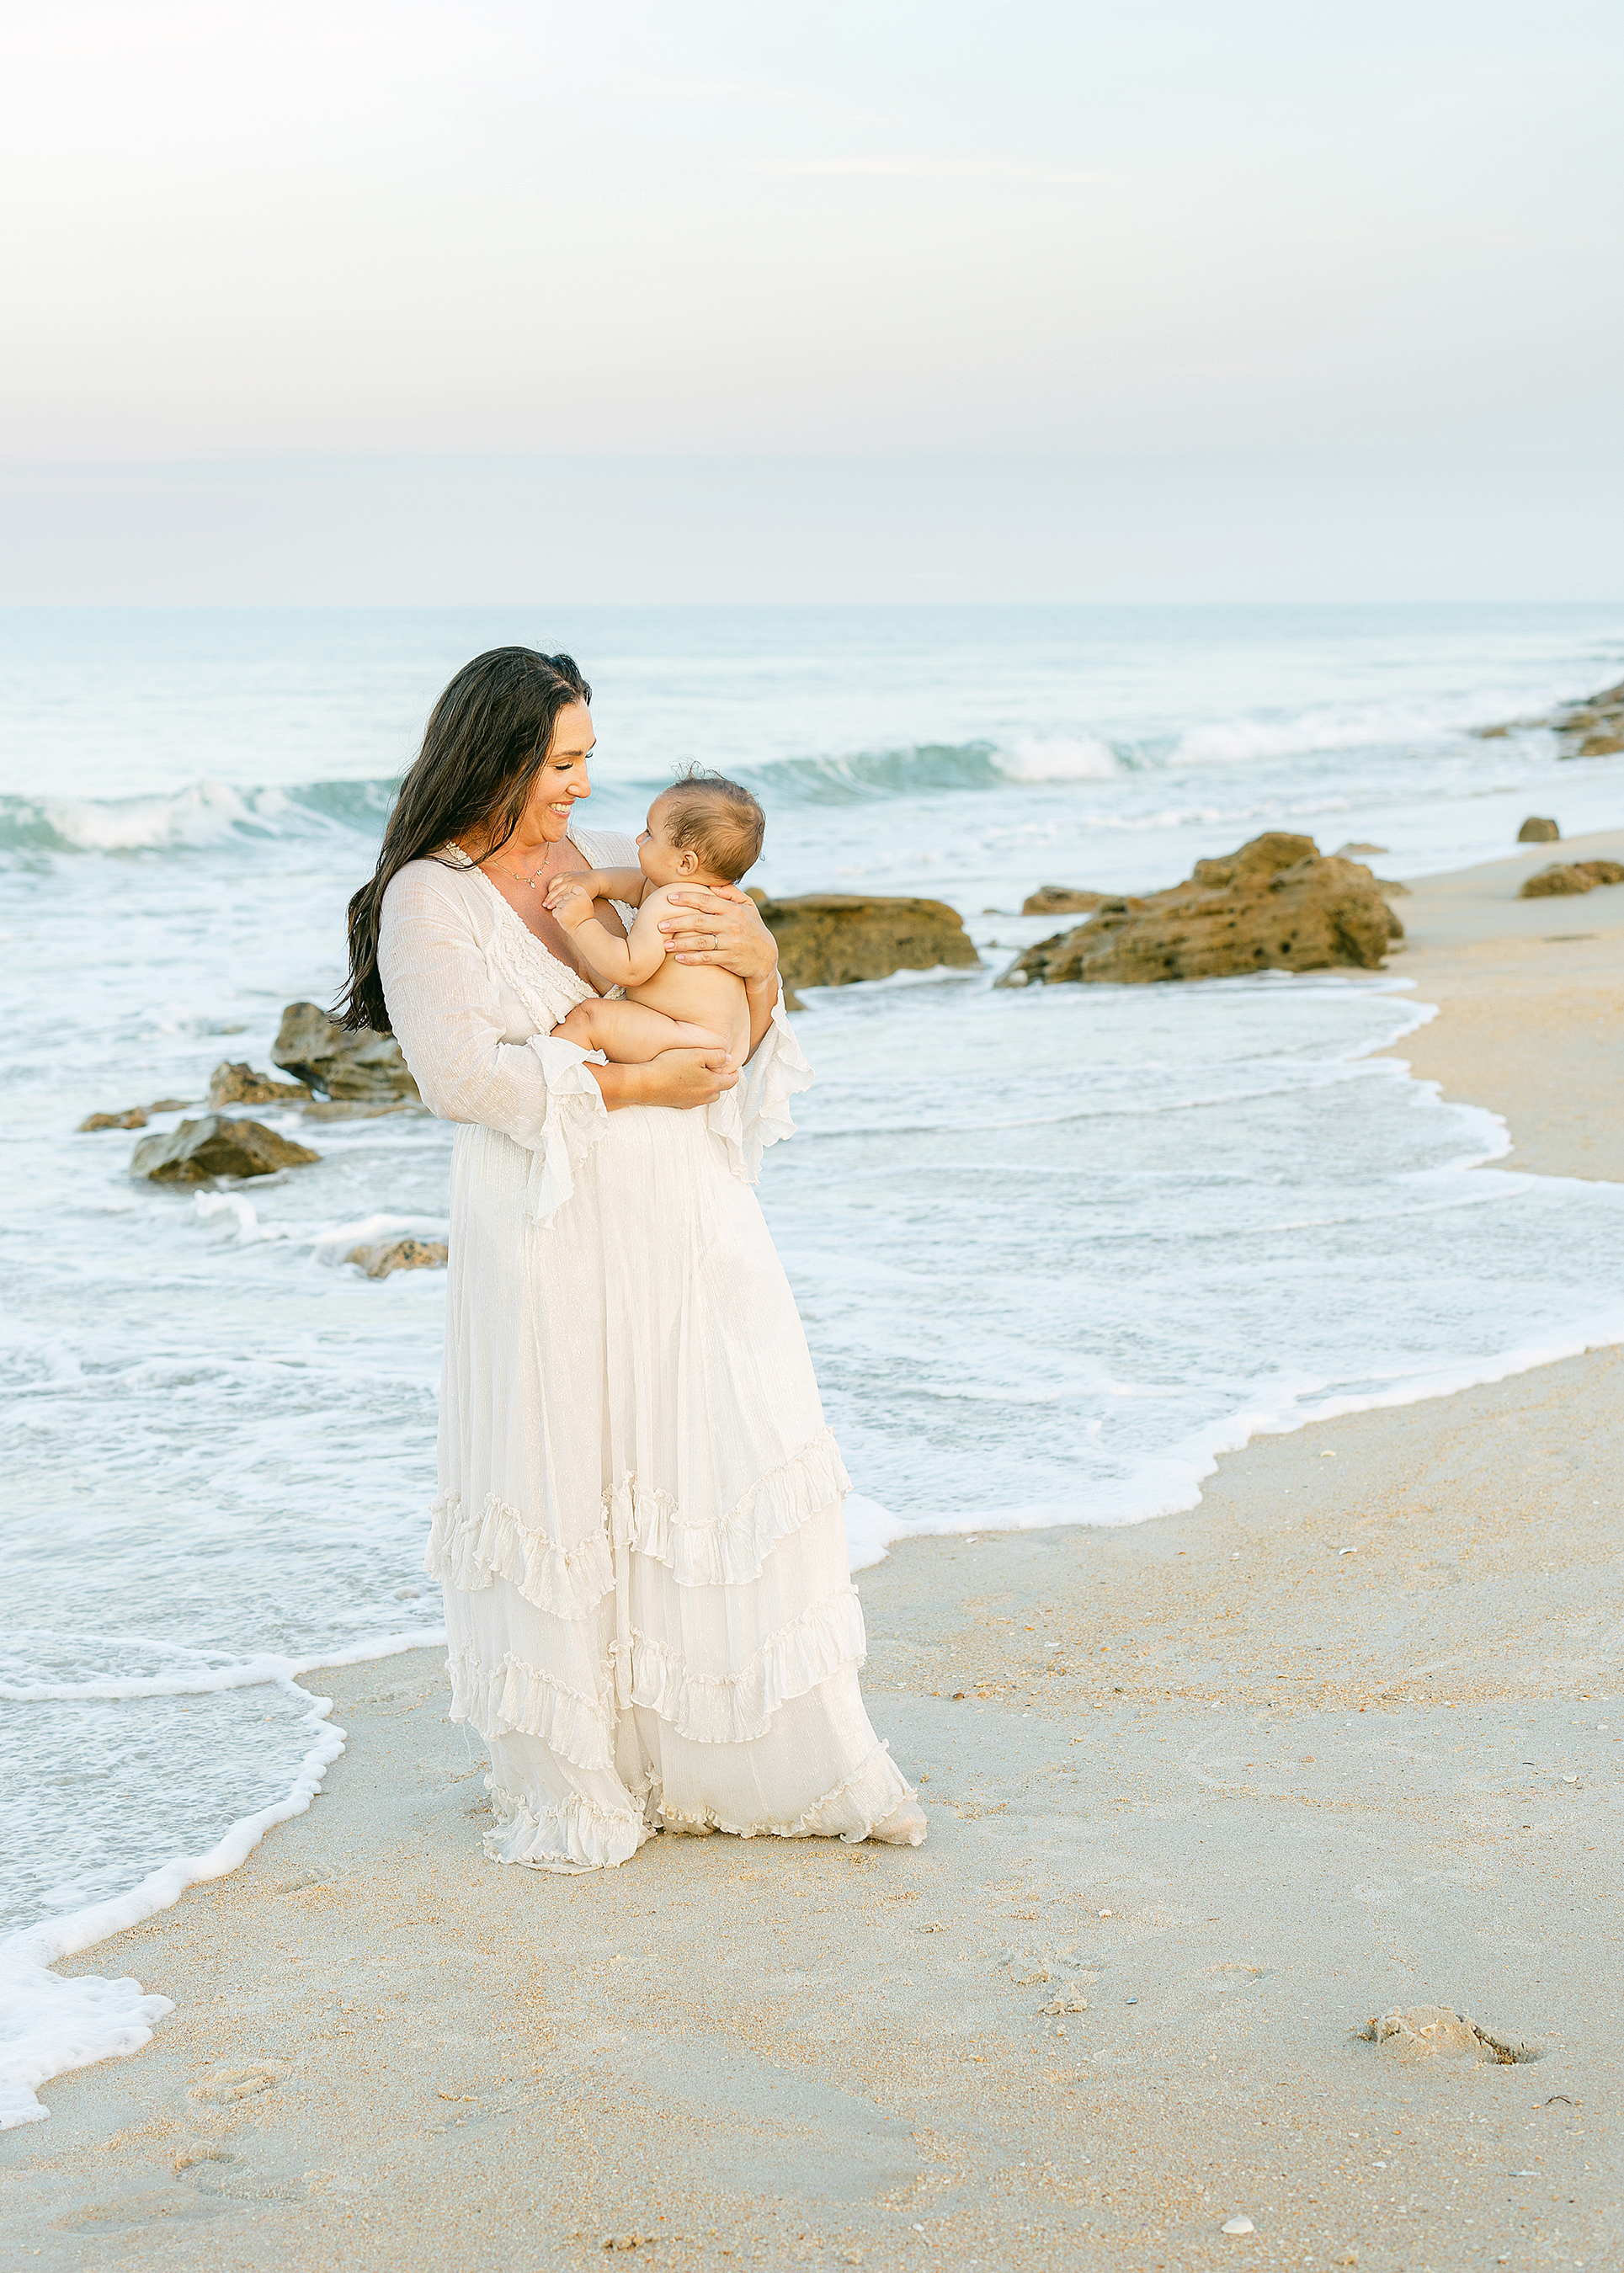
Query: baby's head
x,y
704,830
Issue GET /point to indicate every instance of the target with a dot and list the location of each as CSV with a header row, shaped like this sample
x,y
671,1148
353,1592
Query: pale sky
x,y
899,229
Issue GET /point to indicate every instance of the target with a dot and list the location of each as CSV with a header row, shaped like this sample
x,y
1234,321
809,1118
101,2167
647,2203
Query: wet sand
x,y
1530,1007
1206,1796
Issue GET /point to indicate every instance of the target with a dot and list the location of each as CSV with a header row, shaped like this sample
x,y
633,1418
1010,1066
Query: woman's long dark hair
x,y
486,740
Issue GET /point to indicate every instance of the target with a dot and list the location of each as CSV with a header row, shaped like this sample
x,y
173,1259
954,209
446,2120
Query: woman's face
x,y
562,780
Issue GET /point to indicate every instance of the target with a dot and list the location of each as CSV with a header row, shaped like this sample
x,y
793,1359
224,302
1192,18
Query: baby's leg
x,y
629,1033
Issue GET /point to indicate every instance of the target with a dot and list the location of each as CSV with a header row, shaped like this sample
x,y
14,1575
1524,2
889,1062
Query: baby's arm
x,y
627,885
611,962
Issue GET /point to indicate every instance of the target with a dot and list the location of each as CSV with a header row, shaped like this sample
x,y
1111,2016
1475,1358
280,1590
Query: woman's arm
x,y
719,924
679,1077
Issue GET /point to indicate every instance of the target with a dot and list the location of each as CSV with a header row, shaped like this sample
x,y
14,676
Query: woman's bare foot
x,y
904,1827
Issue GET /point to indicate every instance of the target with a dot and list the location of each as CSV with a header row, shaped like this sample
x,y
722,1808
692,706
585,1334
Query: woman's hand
x,y
724,926
679,1077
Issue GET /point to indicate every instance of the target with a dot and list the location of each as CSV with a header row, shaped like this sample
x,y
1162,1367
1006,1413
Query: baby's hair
x,y
719,820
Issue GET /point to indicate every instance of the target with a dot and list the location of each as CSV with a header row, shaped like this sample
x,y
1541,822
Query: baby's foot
x,y
905,1826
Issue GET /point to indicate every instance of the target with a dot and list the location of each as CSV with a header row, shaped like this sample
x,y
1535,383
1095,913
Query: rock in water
x,y
399,1255
137,1114
216,1147
1059,900
136,1118
314,1048
1277,905
1592,729
1571,876
240,1085
350,1108
833,938
1537,831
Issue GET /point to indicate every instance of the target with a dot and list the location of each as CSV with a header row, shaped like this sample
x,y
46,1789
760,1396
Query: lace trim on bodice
x,y
550,989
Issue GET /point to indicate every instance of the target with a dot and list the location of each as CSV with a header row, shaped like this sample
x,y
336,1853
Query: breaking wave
x,y
200,816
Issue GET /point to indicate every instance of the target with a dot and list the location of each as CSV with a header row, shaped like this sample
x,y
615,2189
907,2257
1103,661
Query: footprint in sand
x,y
1439,2032
231,2084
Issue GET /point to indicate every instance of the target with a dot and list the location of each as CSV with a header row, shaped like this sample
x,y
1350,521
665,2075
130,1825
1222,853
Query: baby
x,y
705,831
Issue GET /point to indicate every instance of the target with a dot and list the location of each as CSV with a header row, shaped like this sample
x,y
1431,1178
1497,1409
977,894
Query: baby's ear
x,y
688,860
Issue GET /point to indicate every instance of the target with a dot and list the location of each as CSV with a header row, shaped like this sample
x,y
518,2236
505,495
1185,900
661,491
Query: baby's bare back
x,y
704,994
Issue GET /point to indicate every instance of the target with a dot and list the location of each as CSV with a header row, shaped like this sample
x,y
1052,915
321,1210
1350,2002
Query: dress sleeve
x,y
756,1112
445,1008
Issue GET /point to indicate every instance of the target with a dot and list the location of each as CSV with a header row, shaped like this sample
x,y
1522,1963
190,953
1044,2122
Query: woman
x,y
648,1599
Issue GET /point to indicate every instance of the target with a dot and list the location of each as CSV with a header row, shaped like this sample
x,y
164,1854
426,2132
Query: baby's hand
x,y
569,900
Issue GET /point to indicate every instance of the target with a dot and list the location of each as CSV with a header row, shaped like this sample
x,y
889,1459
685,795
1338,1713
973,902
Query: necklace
x,y
519,875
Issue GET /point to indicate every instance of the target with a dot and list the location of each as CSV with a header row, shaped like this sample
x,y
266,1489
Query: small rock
x,y
240,1085
378,1260
351,1108
366,1065
136,1118
1537,831
1551,883
1357,850
1058,900
1592,729
1571,876
1237,2225
214,1146
1068,2002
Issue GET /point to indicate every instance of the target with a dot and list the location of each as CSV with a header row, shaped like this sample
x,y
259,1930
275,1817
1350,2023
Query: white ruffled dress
x,y
648,1602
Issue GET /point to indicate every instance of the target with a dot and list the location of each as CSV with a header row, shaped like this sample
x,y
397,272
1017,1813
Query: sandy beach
x,y
1207,1795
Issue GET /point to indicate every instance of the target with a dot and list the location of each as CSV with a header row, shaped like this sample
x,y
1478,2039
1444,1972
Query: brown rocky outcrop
x,y
365,1065
216,1147
834,939
1060,900
1571,876
1537,831
1592,729
387,1255
1277,905
241,1084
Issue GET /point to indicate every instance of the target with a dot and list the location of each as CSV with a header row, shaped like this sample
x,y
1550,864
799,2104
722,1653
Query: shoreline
x,y
1530,1018
801,2105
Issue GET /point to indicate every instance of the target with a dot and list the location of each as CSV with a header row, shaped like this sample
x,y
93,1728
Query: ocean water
x,y
1054,1249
